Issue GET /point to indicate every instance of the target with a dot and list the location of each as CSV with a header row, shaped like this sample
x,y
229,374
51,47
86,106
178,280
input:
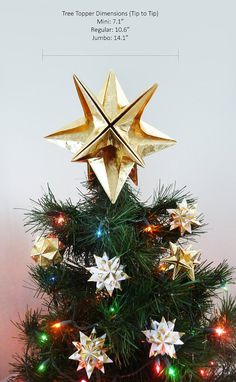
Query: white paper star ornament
x,y
162,338
108,273
184,217
91,353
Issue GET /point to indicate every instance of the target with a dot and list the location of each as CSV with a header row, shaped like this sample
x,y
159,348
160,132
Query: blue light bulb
x,y
52,279
99,232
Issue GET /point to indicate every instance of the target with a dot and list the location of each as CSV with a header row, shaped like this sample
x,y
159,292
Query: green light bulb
x,y
224,286
44,337
41,367
171,371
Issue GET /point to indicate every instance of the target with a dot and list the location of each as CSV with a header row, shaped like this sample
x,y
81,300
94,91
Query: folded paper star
x,y
107,273
46,251
91,353
163,338
111,137
182,259
183,217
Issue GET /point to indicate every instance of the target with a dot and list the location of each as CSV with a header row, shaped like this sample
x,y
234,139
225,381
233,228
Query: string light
x,y
225,287
61,324
57,325
148,229
114,308
193,332
60,220
171,371
52,279
202,372
219,331
42,367
163,267
205,373
99,232
43,337
157,368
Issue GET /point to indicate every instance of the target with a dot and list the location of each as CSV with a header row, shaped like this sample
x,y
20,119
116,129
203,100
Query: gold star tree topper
x,y
163,338
46,251
107,273
184,216
111,137
183,259
91,353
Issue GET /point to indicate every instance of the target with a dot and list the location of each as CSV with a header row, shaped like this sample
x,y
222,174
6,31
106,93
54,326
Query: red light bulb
x,y
60,220
202,372
158,368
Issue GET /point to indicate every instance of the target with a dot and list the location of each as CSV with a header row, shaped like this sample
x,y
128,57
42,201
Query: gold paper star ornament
x,y
45,251
111,137
182,260
184,217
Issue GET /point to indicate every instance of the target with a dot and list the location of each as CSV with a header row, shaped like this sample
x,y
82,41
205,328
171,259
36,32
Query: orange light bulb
x,y
57,325
163,267
148,229
220,331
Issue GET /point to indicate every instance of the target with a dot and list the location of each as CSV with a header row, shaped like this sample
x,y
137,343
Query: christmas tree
x,y
125,295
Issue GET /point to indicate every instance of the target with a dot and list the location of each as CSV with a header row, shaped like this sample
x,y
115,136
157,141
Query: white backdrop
x,y
195,104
